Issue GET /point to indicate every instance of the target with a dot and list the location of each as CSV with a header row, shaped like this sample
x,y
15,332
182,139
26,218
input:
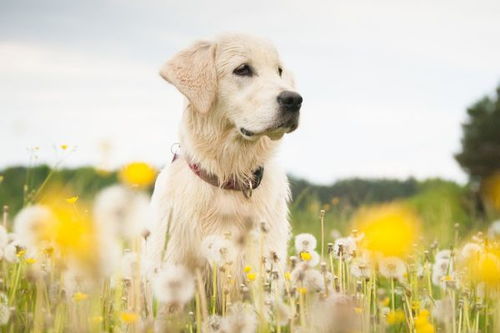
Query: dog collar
x,y
245,187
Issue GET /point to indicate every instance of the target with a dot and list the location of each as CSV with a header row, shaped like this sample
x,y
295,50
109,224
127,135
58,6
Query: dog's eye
x,y
280,71
243,70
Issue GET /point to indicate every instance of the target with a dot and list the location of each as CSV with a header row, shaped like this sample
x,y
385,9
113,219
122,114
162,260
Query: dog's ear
x,y
192,72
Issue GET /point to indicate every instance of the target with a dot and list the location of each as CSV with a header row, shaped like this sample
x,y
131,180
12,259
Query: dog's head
x,y
241,77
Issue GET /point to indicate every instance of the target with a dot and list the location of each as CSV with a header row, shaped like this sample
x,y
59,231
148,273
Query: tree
x,y
480,155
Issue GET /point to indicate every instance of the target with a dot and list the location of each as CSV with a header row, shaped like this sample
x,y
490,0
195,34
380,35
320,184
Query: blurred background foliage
x,y
443,205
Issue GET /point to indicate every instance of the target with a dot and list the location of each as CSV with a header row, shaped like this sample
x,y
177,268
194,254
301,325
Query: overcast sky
x,y
385,83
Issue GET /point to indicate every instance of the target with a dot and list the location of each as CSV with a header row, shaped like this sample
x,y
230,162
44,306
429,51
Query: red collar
x,y
232,184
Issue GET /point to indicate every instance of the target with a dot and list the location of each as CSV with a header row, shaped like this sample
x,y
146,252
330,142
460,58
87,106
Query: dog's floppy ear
x,y
192,72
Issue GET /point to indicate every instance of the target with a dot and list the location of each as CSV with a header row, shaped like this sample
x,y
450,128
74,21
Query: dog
x,y
224,181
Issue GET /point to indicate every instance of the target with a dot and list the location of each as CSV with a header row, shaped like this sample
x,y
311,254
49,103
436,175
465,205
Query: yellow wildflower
x,y
30,260
78,296
306,256
137,174
288,276
247,269
129,317
72,200
69,232
64,147
251,276
302,290
487,268
389,229
395,317
422,324
21,253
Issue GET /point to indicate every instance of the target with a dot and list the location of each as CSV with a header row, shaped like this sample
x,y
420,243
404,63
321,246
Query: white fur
x,y
219,104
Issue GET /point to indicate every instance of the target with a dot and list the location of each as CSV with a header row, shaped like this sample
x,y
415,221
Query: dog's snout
x,y
290,101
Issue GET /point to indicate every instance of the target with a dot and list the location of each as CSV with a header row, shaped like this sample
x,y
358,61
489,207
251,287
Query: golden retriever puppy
x,y
224,183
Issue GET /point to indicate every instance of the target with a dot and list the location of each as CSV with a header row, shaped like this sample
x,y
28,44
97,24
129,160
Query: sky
x,y
385,83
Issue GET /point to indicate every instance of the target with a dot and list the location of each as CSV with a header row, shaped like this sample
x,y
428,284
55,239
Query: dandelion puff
x,y
217,250
470,251
173,286
129,261
4,237
344,247
494,229
443,255
305,243
121,211
10,252
4,314
313,280
442,311
441,271
282,311
361,267
215,324
392,267
241,319
298,274
334,314
30,222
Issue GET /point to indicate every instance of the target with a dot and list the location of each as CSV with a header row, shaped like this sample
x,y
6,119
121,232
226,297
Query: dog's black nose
x,y
290,101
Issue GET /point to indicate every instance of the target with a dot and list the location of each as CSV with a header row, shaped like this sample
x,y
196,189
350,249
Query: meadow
x,y
423,259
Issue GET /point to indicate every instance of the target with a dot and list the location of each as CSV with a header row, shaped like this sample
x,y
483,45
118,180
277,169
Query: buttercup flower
x,y
137,174
389,229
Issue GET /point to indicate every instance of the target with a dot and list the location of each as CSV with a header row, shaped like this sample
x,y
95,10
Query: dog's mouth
x,y
275,132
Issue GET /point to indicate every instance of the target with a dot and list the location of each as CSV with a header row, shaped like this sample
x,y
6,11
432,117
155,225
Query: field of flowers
x,y
71,265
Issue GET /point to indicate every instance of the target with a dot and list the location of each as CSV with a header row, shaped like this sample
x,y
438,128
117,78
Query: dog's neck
x,y
213,142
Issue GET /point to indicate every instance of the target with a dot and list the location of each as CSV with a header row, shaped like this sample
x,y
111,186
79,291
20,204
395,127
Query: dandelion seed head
x,y
494,230
218,250
121,211
30,224
392,267
215,324
241,318
173,285
345,247
442,268
361,267
305,243
470,251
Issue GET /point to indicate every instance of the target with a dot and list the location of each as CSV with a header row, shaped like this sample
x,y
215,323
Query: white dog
x,y
240,103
